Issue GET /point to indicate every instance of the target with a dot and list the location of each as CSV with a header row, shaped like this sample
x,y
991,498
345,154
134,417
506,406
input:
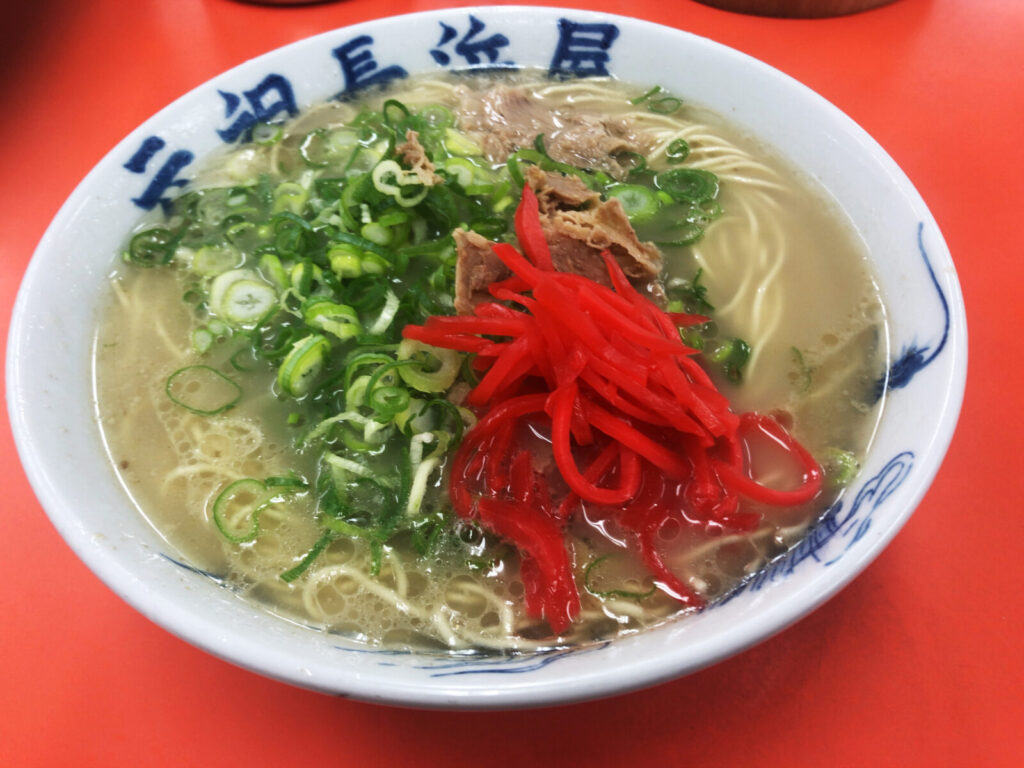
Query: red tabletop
x,y
917,663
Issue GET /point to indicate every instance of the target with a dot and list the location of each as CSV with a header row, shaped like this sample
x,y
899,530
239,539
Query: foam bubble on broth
x,y
784,270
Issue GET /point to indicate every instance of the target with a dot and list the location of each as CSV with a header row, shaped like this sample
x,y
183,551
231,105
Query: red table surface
x,y
916,663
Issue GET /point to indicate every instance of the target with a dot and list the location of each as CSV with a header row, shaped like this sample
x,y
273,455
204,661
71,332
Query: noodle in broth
x,y
782,267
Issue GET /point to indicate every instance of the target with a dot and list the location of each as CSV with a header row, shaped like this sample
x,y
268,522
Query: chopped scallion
x,y
202,390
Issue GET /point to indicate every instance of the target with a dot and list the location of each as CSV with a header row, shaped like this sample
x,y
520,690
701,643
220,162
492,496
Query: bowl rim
x,y
173,613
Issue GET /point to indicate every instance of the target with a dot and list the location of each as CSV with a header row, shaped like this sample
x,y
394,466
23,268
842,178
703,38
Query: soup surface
x,y
263,412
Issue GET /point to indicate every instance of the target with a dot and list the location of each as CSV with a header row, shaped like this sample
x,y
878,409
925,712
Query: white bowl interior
x,y
52,407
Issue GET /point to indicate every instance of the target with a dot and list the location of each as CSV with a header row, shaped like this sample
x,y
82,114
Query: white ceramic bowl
x,y
52,408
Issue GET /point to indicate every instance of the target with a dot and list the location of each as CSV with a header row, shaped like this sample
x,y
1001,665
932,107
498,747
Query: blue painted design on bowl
x,y
913,359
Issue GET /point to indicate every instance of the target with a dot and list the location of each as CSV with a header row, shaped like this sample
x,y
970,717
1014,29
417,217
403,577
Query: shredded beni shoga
x,y
635,424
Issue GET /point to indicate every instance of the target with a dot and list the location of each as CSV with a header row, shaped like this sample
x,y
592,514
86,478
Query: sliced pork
x,y
505,118
578,227
411,152
476,267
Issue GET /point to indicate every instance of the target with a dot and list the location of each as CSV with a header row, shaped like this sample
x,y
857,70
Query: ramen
x,y
490,364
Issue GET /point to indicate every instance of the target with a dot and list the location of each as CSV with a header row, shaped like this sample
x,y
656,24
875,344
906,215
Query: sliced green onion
x,y
360,361
271,268
364,245
344,465
693,294
321,544
623,593
244,359
387,402
202,390
274,342
665,105
841,466
411,194
303,364
503,204
236,511
211,260
152,247
639,202
633,162
437,116
732,355
325,426
218,328
682,233
640,99
375,232
386,316
383,376
355,393
302,277
460,144
435,369
372,264
677,151
194,295
707,211
292,234
267,133
418,488
690,335
393,218
290,197
344,527
402,419
490,227
394,112
389,178
362,160
804,372
480,190
530,156
340,143
291,481
426,531
313,149
202,340
462,170
345,261
689,185
241,297
241,232
595,180
340,320
357,442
